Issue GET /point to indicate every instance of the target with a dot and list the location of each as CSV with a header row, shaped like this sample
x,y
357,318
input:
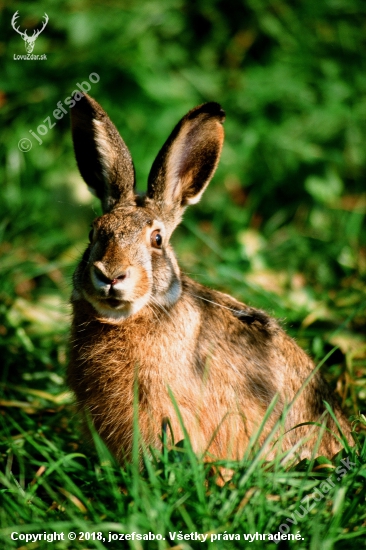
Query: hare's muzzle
x,y
108,283
103,277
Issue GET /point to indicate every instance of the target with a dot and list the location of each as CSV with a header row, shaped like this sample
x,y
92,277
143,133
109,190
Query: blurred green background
x,y
282,225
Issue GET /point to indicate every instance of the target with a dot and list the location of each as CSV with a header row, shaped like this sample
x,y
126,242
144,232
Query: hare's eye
x,y
156,239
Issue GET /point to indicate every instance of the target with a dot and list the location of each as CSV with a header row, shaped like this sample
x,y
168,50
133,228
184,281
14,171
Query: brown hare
x,y
137,317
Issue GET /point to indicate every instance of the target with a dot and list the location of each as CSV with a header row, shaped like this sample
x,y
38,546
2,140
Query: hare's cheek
x,y
142,283
79,274
90,287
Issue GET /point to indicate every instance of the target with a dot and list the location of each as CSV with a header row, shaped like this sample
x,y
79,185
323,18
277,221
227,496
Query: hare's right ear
x,y
188,159
104,161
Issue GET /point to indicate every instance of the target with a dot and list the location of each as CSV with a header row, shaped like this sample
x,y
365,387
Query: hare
x,y
138,321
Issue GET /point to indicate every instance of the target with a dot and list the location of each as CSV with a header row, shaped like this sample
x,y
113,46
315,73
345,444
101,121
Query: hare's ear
x,y
188,159
104,161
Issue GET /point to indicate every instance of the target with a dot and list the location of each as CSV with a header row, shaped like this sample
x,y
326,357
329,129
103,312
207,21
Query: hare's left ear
x,y
188,159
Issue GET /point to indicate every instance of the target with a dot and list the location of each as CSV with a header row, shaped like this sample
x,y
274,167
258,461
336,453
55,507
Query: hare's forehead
x,y
126,222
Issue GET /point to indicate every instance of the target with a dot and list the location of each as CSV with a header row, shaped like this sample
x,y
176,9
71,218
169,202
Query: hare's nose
x,y
120,277
112,280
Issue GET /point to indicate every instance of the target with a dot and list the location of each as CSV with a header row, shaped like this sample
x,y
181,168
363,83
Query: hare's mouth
x,y
113,310
114,303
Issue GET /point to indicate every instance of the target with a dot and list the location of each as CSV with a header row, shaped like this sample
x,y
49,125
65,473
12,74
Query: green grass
x,y
54,483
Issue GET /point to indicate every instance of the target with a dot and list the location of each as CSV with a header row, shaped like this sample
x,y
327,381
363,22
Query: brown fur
x,y
138,319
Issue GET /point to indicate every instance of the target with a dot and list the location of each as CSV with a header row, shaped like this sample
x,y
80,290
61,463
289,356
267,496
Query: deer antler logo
x,y
29,40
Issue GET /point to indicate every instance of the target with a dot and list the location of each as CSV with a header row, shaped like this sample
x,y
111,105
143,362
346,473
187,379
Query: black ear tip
x,y
84,102
214,109
211,108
